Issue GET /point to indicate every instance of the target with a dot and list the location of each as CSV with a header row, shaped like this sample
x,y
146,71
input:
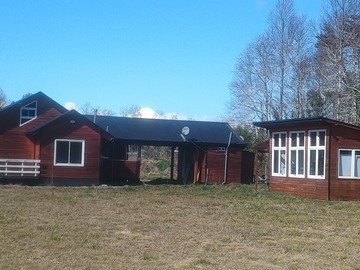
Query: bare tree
x,y
3,100
338,57
131,111
292,41
89,110
272,74
252,89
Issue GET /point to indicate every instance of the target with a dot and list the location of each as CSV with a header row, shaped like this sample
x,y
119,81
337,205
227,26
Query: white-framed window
x,y
316,156
297,154
349,163
28,112
69,152
279,154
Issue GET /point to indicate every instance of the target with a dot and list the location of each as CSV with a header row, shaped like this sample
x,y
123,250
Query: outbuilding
x,y
314,158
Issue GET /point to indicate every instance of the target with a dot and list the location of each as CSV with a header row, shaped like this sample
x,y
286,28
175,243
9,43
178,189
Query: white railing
x,y
20,167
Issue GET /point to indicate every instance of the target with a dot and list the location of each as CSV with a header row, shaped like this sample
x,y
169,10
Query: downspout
x,y
226,159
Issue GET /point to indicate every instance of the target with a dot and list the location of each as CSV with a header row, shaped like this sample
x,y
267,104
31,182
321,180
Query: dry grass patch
x,y
174,227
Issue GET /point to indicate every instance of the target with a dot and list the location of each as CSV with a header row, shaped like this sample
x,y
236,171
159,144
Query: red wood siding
x,y
216,165
307,188
234,169
13,141
65,130
343,189
116,172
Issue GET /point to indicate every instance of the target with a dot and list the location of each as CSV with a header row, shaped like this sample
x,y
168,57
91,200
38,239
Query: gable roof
x,y
292,122
166,132
72,113
28,99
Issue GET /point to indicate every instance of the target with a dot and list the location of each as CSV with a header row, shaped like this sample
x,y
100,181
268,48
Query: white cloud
x,y
70,105
147,112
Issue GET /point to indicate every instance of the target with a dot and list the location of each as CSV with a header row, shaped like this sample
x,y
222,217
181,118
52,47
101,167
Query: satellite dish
x,y
185,130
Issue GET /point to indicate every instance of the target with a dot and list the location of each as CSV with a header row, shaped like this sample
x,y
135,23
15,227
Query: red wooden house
x,y
314,158
42,142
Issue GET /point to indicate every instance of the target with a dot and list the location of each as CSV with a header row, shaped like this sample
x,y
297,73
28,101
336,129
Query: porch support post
x,y
196,166
172,163
256,170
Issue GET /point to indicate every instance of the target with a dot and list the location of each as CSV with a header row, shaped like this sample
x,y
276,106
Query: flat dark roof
x,y
166,132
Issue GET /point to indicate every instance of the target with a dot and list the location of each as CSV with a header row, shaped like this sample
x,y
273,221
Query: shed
x,y
314,158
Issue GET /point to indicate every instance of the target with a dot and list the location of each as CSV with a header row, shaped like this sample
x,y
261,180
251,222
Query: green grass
x,y
174,227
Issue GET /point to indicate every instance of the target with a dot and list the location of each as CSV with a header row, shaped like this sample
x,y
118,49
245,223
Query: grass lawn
x,y
174,227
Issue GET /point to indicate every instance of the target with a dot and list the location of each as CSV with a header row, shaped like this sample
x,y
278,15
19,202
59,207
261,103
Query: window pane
x,y
283,139
322,138
312,162
357,164
293,162
31,113
62,152
345,163
75,152
282,162
293,139
321,162
301,162
313,138
276,139
276,161
301,139
25,112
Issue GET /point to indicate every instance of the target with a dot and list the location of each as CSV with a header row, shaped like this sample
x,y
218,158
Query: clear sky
x,y
174,56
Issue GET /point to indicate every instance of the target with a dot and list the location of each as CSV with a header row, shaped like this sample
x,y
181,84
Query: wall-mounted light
x,y
72,121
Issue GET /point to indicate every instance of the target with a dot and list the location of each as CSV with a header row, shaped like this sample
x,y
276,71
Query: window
x,y
349,164
279,154
28,113
69,152
296,155
316,164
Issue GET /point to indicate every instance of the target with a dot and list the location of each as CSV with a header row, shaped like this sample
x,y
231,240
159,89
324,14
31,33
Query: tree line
x,y
297,68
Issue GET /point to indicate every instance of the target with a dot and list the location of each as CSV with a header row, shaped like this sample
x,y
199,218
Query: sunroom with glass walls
x,y
290,150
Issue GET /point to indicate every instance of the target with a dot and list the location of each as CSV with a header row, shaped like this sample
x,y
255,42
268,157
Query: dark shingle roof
x,y
161,131
295,121
32,97
72,113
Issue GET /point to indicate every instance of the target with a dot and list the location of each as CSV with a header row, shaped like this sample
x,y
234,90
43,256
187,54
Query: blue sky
x,y
173,56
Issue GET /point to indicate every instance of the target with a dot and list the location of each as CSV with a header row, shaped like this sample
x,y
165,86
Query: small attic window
x,y
28,113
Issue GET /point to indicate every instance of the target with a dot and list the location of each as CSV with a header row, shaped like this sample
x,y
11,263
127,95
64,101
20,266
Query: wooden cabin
x,y
43,143
314,158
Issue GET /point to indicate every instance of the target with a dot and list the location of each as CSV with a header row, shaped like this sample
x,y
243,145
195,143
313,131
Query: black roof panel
x,y
161,131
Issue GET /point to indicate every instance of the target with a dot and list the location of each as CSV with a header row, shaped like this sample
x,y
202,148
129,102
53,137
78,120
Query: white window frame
x,y
68,163
352,164
281,147
317,148
28,118
297,148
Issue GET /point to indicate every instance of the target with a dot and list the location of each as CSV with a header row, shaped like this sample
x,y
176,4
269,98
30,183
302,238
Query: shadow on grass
x,y
161,181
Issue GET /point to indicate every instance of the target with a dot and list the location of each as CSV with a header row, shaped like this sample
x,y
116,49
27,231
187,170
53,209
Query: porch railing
x,y
19,167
